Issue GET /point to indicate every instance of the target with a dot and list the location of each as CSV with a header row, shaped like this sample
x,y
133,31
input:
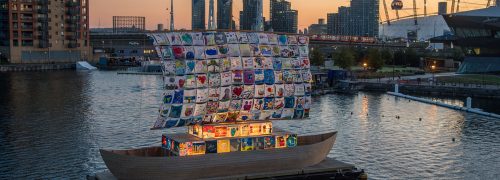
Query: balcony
x,y
71,37
27,36
71,29
43,44
43,11
26,18
73,20
43,37
72,45
27,27
42,28
72,4
42,19
43,2
26,9
73,11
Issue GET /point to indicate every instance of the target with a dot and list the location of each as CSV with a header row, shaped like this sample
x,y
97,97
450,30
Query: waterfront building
x,y
477,33
224,14
283,18
122,46
44,31
124,24
319,28
249,15
198,15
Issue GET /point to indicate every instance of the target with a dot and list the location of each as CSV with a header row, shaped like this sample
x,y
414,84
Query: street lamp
x,y
365,65
433,67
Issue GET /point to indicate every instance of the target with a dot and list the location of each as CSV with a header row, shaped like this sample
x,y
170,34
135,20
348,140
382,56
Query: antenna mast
x,y
171,15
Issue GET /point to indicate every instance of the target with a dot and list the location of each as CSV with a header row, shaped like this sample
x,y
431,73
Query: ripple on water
x,y
53,124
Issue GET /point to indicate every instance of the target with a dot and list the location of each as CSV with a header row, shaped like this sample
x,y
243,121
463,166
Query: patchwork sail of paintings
x,y
217,77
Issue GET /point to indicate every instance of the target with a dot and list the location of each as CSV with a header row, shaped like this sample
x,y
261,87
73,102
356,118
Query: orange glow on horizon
x,y
155,11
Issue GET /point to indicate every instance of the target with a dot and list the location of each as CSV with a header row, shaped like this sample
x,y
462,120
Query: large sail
x,y
217,77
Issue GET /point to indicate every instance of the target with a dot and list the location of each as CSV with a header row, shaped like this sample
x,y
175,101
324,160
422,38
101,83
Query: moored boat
x,y
154,162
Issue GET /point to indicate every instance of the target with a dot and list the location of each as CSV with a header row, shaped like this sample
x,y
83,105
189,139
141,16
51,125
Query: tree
x,y
344,58
387,56
317,58
412,59
374,58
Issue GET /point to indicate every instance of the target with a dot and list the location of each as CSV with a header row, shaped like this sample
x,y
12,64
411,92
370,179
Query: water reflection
x,y
53,123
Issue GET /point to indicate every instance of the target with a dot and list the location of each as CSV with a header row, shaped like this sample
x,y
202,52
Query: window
x,y
134,51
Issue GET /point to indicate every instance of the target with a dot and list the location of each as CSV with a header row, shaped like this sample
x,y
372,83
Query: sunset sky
x,y
155,11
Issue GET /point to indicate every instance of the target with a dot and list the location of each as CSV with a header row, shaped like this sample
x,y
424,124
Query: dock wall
x,y
36,67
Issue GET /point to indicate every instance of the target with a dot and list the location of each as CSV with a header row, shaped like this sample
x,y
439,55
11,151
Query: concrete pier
x,y
460,108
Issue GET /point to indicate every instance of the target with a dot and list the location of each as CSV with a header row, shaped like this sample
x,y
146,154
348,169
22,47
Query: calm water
x,y
53,123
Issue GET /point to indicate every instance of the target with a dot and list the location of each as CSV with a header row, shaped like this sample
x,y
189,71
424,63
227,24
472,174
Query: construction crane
x,y
386,14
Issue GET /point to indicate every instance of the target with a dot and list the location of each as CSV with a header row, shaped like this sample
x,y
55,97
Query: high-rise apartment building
x,y
44,31
198,15
364,15
332,23
249,14
224,14
283,18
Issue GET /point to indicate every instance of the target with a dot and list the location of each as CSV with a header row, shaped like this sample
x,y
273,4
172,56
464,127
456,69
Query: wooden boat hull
x,y
147,163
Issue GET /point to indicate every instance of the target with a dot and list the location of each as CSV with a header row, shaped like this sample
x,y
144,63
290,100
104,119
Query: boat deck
x,y
327,167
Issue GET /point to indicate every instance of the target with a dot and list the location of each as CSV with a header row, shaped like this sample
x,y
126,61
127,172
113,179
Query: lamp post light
x,y
365,65
433,67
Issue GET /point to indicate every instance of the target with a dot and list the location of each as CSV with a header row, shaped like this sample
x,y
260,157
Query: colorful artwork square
x,y
175,111
248,91
247,144
269,76
270,91
201,95
268,103
211,146
237,92
259,76
237,77
260,91
290,102
249,76
223,146
189,96
235,145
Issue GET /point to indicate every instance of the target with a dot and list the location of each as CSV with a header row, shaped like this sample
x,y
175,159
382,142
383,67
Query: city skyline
x,y
156,12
